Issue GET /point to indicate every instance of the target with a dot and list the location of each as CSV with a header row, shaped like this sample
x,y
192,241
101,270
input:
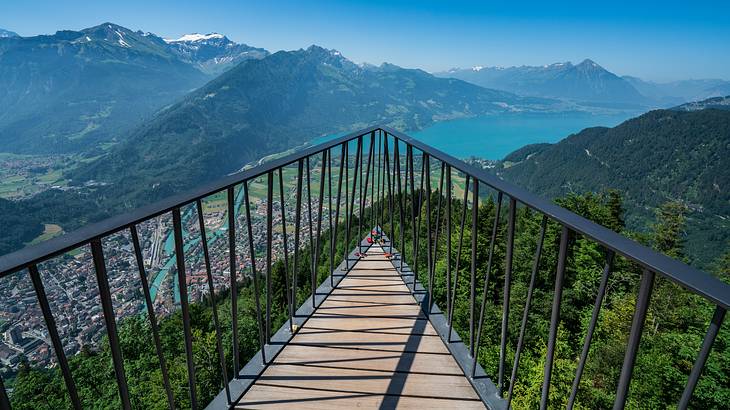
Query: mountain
x,y
719,103
269,105
257,108
663,155
6,33
68,91
586,82
213,53
678,92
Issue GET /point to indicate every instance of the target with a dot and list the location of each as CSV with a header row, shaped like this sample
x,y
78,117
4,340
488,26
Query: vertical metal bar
x,y
362,197
400,196
319,225
297,224
329,209
637,328
269,256
591,328
373,211
53,334
352,199
414,230
418,220
346,252
525,313
458,252
254,274
458,257
492,244
311,227
183,287
343,155
387,176
432,267
448,245
555,317
507,291
361,202
286,250
233,279
717,319
108,309
429,238
211,289
380,204
153,318
473,288
4,400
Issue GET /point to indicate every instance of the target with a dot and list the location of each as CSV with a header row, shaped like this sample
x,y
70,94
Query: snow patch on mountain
x,y
195,37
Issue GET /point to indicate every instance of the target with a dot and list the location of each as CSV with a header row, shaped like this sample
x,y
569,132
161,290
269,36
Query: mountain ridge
x,y
663,155
586,82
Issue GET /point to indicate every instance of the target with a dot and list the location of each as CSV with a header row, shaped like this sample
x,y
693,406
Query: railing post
x,y
362,197
152,317
432,267
287,289
269,256
319,227
254,273
694,376
429,238
591,328
233,277
213,304
458,257
473,287
637,329
555,317
4,400
337,210
507,289
311,227
297,229
53,334
111,325
528,302
492,244
401,198
448,245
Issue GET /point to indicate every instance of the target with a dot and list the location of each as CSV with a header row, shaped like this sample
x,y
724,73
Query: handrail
x,y
691,278
652,262
34,254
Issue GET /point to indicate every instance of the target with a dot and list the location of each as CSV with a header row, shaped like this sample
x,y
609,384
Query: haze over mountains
x,y
589,83
183,111
69,91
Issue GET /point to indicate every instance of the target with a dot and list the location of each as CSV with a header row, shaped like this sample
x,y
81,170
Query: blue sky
x,y
654,40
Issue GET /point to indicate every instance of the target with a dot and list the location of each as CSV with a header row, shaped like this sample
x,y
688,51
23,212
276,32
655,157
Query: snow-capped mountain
x,y
213,53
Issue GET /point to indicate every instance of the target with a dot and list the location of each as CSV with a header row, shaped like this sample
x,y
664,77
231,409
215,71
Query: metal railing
x,y
384,186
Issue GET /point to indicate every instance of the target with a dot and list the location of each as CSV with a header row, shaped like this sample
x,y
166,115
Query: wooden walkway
x,y
368,345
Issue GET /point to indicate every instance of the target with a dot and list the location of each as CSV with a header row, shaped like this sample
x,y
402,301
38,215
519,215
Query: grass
x,y
49,231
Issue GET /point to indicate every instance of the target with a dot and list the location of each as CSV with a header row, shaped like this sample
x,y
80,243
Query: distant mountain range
x,y
586,82
6,33
681,154
589,83
72,90
264,106
677,92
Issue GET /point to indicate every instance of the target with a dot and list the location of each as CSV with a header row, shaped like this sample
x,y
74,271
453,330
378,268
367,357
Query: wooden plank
x,y
368,345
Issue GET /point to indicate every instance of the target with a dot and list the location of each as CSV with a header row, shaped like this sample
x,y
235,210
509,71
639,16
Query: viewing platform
x,y
400,318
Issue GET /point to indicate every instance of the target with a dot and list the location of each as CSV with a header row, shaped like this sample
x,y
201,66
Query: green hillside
x,y
661,156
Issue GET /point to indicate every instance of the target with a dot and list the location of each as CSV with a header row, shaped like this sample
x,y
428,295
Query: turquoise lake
x,y
493,137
